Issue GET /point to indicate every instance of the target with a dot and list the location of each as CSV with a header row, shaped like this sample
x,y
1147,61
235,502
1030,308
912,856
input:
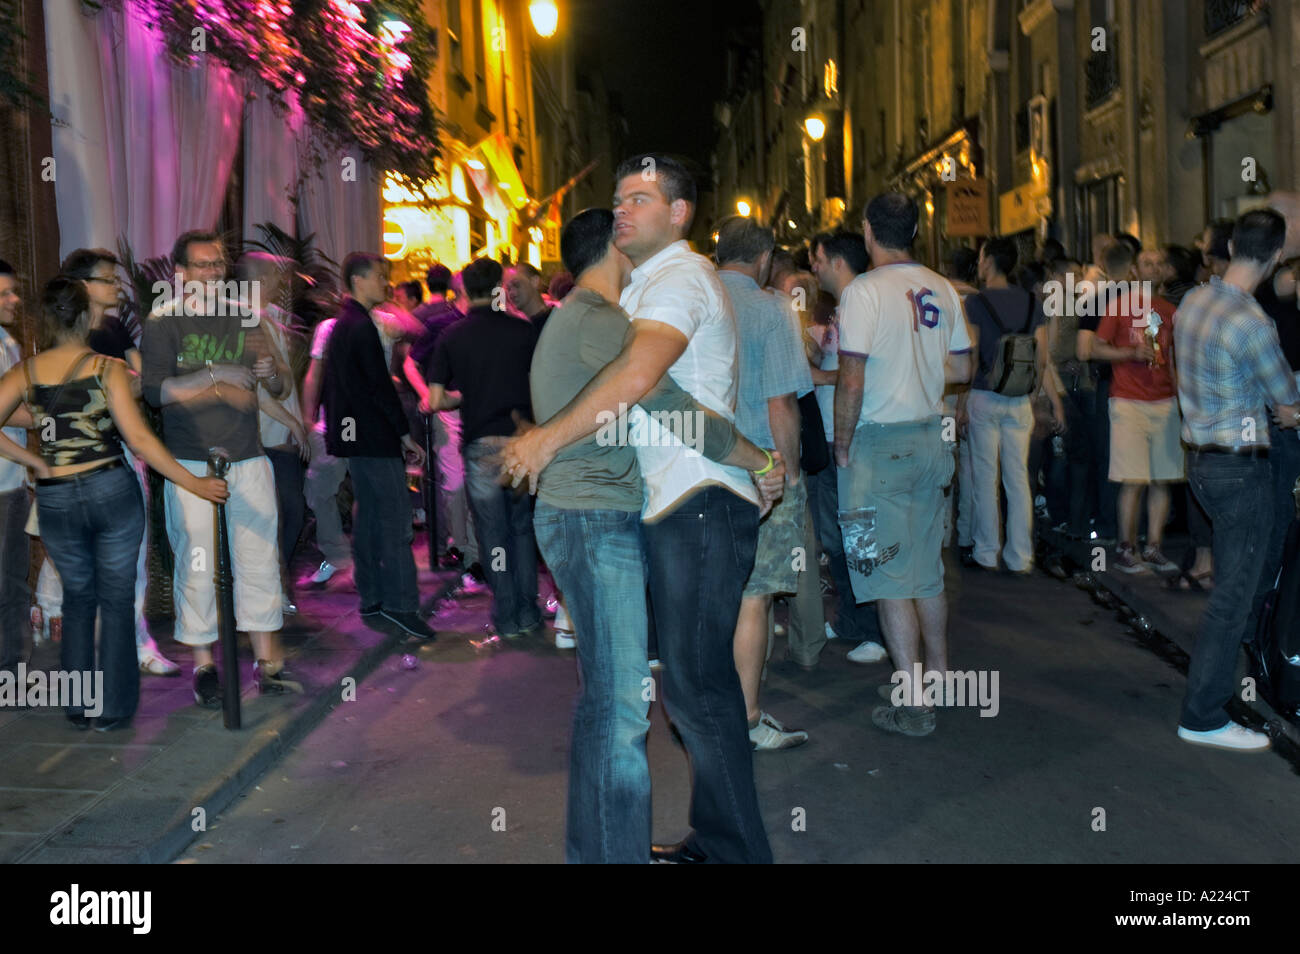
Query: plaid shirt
x,y
1230,366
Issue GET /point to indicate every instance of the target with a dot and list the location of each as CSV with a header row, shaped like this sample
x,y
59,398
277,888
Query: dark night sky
x,y
666,59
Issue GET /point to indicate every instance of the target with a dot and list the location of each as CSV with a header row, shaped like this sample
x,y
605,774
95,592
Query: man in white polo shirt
x,y
903,335
700,517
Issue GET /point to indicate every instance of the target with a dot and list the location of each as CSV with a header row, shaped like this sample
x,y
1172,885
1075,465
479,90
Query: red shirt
x,y
1138,380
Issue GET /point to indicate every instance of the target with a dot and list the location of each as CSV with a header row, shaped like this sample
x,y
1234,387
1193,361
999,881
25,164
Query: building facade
x,y
1024,118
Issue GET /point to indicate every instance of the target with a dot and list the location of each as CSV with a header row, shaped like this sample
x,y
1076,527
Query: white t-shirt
x,y
681,289
319,340
828,339
905,320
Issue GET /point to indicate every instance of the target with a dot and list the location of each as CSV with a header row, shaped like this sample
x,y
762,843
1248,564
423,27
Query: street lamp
x,y
743,207
815,126
545,17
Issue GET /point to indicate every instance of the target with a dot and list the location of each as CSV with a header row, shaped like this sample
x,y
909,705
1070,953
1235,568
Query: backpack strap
x,y
993,313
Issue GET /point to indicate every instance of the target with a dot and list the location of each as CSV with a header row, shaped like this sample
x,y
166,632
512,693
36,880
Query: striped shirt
x,y
1230,367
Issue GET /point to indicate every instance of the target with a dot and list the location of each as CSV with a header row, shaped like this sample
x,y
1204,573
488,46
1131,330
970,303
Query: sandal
x,y
154,663
1202,582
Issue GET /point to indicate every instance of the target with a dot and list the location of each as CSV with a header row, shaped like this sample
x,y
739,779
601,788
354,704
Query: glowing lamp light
x,y
929,206
743,207
791,223
546,16
815,126
475,164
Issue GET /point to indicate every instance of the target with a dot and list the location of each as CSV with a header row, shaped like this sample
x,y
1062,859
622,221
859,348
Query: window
x,y
1096,208
455,36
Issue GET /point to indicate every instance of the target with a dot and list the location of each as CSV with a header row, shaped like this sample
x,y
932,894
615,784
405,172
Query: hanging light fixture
x,y
545,17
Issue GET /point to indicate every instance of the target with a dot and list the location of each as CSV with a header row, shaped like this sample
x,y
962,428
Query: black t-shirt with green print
x,y
176,345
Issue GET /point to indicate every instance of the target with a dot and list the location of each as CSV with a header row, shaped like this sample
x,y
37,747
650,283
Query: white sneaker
x,y
770,735
562,620
830,633
868,652
778,629
1231,736
564,640
322,575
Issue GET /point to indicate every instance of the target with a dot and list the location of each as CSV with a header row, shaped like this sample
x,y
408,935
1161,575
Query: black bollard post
x,y
218,466
430,487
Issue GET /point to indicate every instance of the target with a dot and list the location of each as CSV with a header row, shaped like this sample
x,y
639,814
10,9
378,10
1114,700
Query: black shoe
x,y
967,556
678,854
79,720
207,687
274,683
374,609
452,559
476,571
112,725
411,624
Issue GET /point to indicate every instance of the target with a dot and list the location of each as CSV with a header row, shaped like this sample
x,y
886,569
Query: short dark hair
x,y
181,250
1052,251
1118,257
63,303
965,264
741,239
585,239
438,278
1220,234
1258,235
1184,262
82,262
1131,240
7,269
846,246
1031,273
358,263
481,276
672,175
527,269
414,290
1003,254
893,218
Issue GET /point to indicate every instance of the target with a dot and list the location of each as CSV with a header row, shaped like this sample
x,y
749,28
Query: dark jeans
x,y
1235,492
1284,466
699,557
383,566
1080,451
289,473
15,596
1107,491
92,526
854,621
507,550
597,559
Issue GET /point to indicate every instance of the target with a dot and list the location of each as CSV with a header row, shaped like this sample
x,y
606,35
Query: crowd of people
x,y
836,407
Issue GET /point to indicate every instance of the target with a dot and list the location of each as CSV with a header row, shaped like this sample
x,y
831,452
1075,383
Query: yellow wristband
x,y
770,464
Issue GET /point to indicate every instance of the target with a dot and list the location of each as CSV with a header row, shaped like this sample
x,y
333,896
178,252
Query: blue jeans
x,y
597,560
698,558
383,566
507,550
1235,492
15,595
853,620
92,526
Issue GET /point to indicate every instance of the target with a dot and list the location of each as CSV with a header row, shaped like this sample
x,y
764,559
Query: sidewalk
x,y
1174,613
68,796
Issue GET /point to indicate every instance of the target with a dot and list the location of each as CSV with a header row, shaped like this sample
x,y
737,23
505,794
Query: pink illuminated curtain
x,y
340,204
144,148
270,162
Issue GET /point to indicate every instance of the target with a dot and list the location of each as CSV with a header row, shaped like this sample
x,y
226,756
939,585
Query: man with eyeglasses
x,y
203,363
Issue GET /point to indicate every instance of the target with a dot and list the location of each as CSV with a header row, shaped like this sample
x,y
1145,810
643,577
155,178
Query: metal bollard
x,y
219,466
